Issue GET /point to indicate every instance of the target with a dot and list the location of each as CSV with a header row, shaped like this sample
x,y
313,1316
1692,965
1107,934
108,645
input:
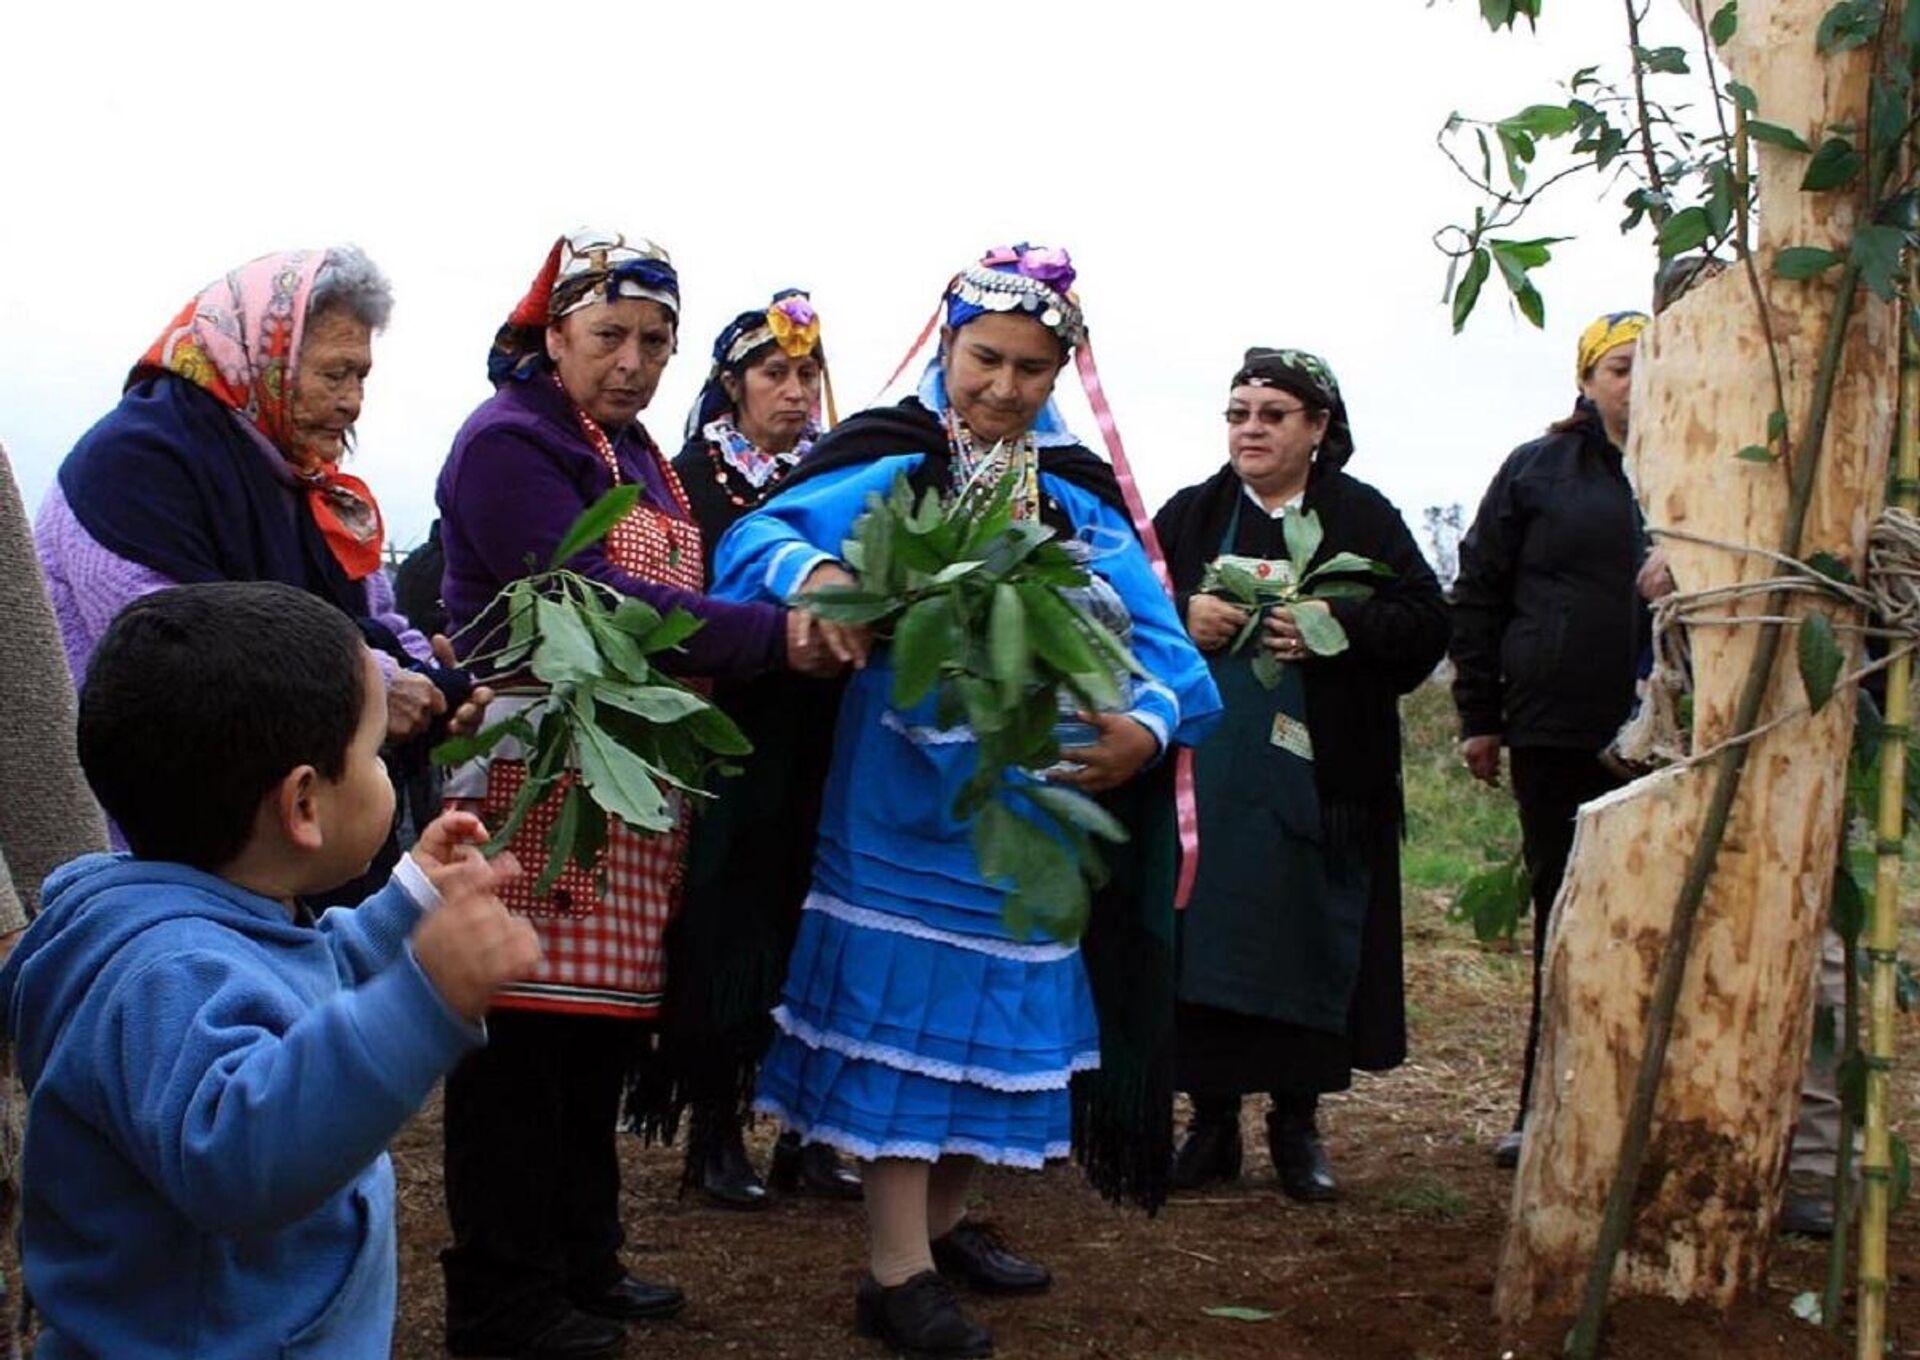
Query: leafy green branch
x,y
979,609
1259,587
606,730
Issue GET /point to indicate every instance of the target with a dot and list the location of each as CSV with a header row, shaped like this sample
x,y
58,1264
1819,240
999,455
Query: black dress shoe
x,y
1300,1160
576,1336
1506,1152
728,1178
1208,1155
920,1319
630,1300
811,1169
975,1255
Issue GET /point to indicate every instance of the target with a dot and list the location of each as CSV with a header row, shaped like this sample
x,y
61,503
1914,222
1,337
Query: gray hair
x,y
350,282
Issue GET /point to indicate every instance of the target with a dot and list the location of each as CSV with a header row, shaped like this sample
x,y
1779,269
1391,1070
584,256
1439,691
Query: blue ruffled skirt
x,y
897,1038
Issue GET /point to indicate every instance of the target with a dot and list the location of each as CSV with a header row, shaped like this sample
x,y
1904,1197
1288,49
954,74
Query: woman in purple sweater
x,y
532,1179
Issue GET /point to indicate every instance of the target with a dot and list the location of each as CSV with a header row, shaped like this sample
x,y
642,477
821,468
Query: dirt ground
x,y
1401,1269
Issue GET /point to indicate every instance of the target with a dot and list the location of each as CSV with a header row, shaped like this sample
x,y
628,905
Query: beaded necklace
x,y
650,542
720,435
976,471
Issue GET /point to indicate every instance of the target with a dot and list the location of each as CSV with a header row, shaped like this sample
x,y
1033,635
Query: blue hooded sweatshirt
x,y
212,1087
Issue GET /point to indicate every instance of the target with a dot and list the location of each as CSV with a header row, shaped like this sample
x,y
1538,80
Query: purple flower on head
x,y
798,310
1048,264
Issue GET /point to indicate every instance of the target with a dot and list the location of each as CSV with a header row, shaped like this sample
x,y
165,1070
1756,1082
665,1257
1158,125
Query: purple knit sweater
x,y
520,473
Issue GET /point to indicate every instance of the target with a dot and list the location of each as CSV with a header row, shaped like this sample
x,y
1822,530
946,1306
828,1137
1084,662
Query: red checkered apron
x,y
603,953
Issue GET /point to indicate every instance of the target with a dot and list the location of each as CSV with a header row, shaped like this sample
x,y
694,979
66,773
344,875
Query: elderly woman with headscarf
x,y
222,462
1549,625
532,1177
915,1031
1290,969
752,846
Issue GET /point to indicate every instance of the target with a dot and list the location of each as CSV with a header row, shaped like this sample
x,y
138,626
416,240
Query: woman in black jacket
x,y
1290,969
1548,627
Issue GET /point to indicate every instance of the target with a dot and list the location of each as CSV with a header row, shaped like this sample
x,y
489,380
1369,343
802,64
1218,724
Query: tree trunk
x,y
1703,389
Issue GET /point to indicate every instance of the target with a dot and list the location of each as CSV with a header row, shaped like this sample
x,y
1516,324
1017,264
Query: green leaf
x,y
1876,251
1834,166
673,630
1321,631
1237,1314
1804,262
1849,910
1349,563
1776,425
620,781
560,837
1669,61
1831,567
1054,631
655,703
459,750
594,522
620,649
926,637
590,839
1775,135
1902,1172
636,618
717,732
1494,901
1755,453
1267,669
846,604
1339,590
1725,22
1008,654
1303,535
1743,96
1543,120
954,571
1820,659
1532,306
1468,292
1849,24
1685,230
565,651
1076,809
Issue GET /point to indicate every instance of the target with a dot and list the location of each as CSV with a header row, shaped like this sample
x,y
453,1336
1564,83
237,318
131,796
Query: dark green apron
x,y
1273,928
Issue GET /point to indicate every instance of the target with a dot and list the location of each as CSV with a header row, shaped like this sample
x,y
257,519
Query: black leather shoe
x,y
1506,1152
630,1300
1299,1159
811,1169
729,1180
576,1336
976,1255
1208,1155
920,1319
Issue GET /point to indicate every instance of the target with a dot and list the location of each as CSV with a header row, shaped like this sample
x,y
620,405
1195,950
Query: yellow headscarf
x,y
1613,329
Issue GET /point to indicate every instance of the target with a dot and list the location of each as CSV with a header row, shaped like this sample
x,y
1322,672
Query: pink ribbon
x,y
1186,805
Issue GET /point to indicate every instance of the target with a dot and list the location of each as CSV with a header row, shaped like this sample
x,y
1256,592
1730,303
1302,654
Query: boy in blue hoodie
x,y
213,1075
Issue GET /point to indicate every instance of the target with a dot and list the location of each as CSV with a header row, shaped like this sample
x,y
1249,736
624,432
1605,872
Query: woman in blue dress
x,y
914,1031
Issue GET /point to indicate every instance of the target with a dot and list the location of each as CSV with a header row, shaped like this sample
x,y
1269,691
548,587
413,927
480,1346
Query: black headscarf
x,y
1307,377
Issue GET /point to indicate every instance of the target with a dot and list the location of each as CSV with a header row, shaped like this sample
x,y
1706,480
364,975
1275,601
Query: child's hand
x,y
471,946
439,845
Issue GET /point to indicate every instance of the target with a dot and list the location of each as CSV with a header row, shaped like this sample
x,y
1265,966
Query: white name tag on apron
x,y
1290,734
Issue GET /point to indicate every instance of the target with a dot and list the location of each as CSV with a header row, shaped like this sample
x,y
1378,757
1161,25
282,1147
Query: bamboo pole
x,y
1883,938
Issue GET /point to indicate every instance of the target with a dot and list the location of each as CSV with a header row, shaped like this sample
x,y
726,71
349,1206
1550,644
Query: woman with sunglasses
x,y
1290,972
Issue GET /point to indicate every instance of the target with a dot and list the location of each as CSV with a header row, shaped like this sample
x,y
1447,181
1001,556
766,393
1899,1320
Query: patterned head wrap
x,y
1308,377
1036,281
1607,332
788,322
584,267
239,340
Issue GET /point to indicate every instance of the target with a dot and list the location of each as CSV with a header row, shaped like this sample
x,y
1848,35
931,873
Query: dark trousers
x,y
1549,784
1295,1106
532,1175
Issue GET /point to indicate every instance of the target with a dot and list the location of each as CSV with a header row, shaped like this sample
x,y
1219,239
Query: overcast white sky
x,y
1225,175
